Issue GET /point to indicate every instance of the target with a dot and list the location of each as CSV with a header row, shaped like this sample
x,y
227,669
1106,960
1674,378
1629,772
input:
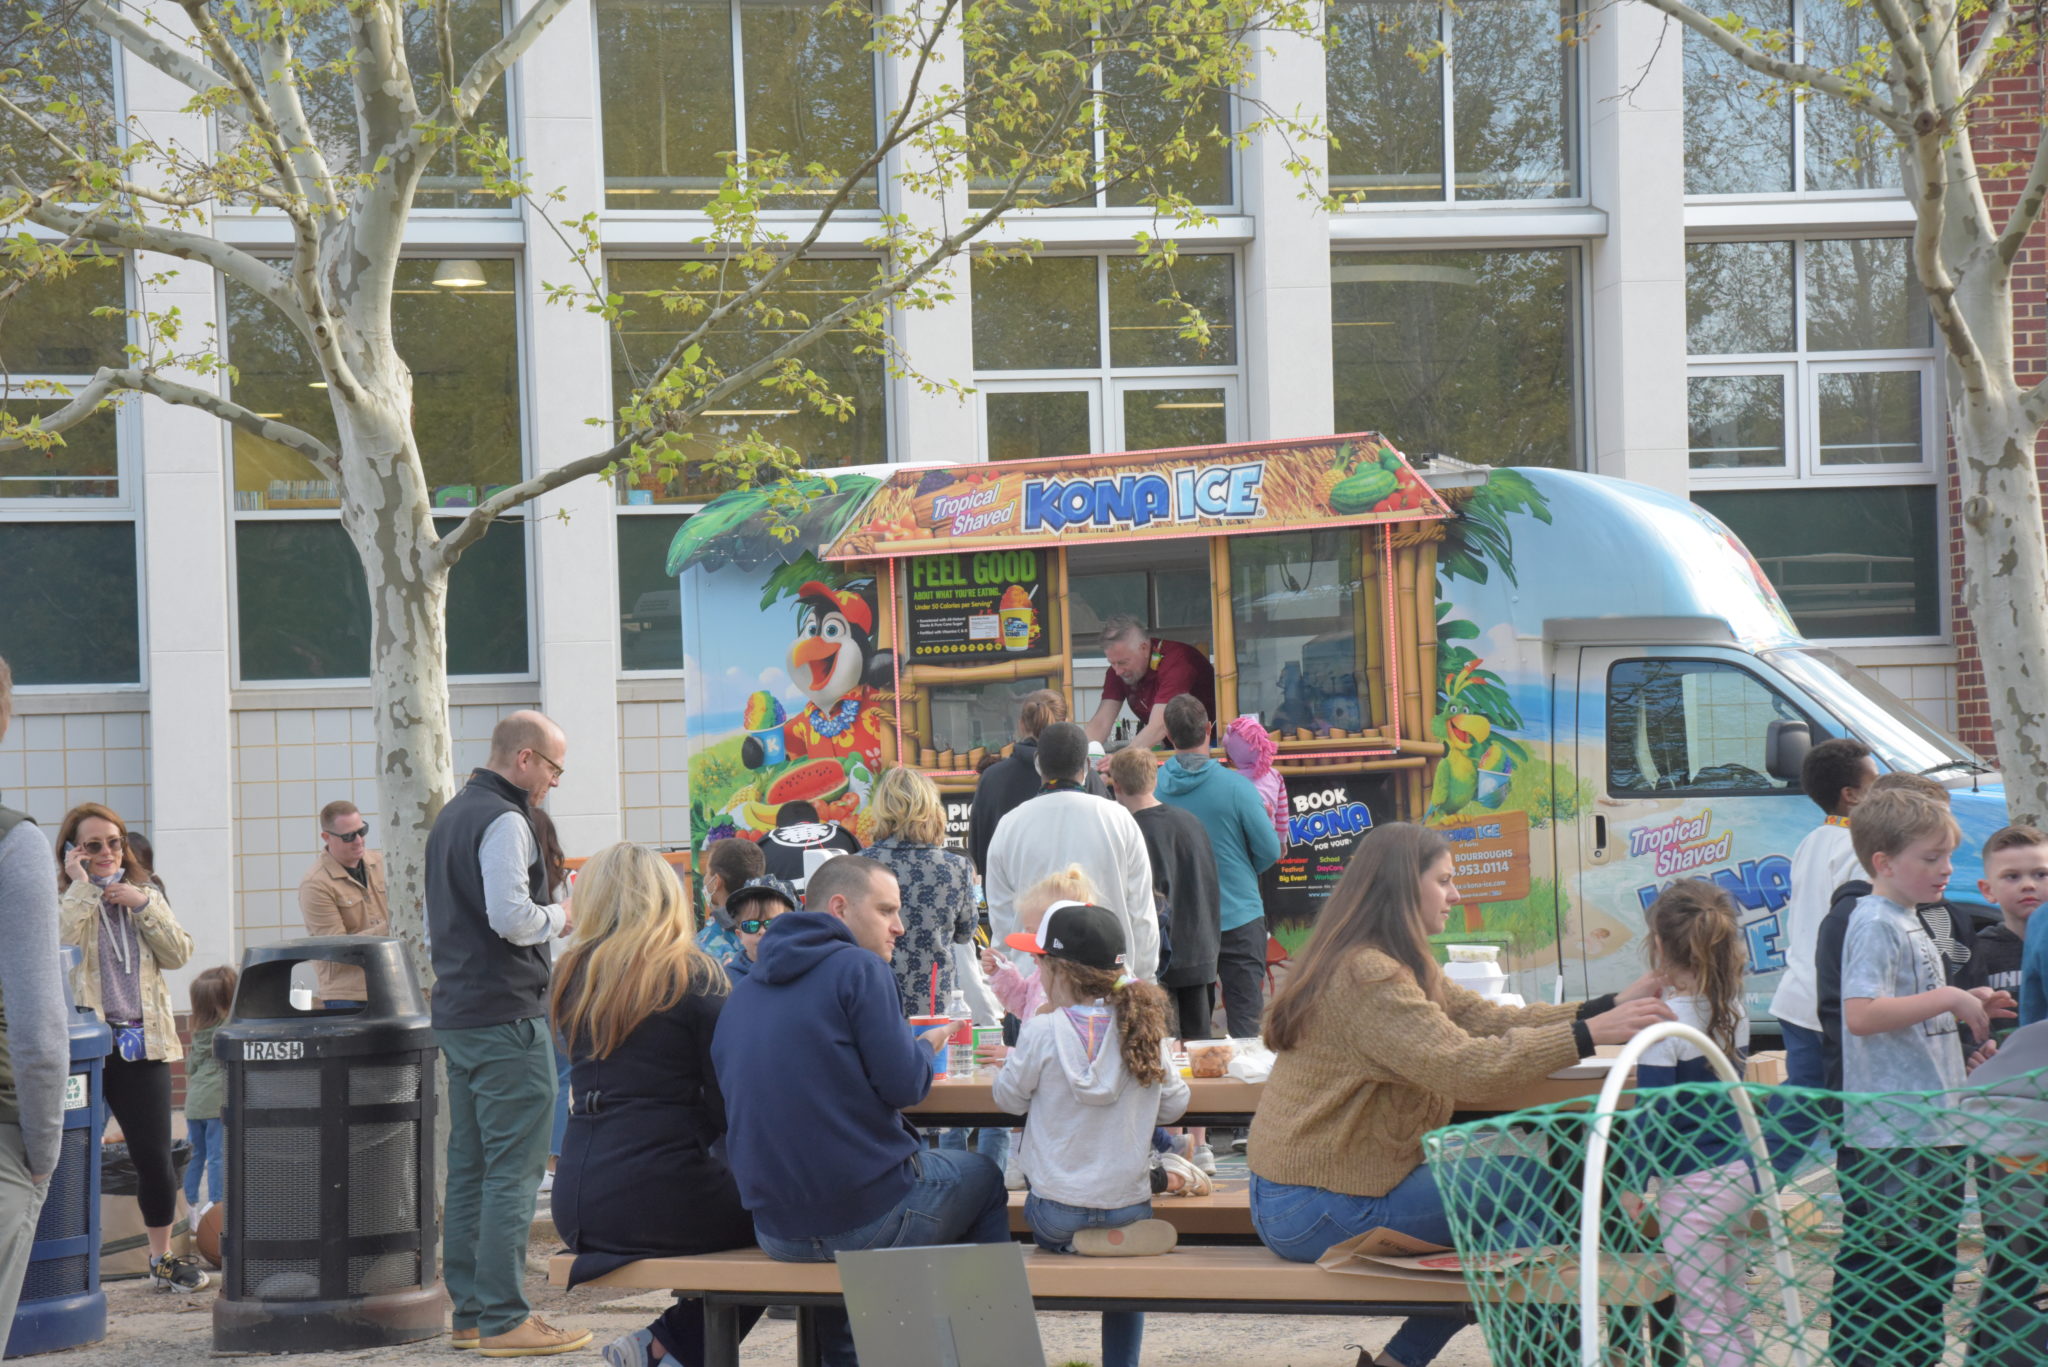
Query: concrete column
x,y
1636,173
568,377
181,463
939,341
1289,391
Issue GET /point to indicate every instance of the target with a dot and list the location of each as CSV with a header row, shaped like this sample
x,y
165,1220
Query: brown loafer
x,y
535,1338
463,1338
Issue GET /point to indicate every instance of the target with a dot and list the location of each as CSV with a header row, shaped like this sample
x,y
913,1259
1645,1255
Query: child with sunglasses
x,y
752,906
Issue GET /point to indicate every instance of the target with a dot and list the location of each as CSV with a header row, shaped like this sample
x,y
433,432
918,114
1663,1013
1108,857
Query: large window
x,y
323,45
1494,118
60,74
1812,419
302,605
1691,728
666,305
69,601
1102,353
1741,138
1302,652
650,610
1470,354
691,86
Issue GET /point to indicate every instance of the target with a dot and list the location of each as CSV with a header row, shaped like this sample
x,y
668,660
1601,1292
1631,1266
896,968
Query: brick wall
x,y
2019,102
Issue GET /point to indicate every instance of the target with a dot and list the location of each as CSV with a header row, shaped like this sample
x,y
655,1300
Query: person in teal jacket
x,y
1241,832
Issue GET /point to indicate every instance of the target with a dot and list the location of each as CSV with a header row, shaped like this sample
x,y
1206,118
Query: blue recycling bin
x,y
62,1305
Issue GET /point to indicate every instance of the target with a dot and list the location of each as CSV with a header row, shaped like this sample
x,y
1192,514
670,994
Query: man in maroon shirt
x,y
1147,674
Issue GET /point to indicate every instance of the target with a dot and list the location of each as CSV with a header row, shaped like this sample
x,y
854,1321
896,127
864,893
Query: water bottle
x,y
959,1044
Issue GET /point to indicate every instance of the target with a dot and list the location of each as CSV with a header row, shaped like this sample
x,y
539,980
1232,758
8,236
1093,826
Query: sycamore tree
x,y
334,117
1924,93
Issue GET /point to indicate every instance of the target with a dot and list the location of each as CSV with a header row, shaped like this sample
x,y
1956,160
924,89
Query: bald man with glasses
x,y
343,894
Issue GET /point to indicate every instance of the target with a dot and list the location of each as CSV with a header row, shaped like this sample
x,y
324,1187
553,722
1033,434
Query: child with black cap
x,y
752,905
1093,1077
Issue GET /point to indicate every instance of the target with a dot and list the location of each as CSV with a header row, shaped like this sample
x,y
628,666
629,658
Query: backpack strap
x,y
9,819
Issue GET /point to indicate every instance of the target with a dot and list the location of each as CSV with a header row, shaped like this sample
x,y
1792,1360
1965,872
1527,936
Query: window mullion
x,y
739,90
1446,104
1799,106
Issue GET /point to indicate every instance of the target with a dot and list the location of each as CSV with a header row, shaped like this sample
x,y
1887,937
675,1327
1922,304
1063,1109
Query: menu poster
x,y
1326,818
975,607
958,813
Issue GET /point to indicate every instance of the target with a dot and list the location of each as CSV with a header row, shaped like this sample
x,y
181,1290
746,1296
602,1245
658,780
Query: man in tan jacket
x,y
343,894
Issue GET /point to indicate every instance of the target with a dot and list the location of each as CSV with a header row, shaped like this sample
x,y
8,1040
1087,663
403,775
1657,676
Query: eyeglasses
x,y
559,770
111,845
361,832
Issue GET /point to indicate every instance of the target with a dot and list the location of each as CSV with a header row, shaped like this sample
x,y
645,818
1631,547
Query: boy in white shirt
x,y
1837,775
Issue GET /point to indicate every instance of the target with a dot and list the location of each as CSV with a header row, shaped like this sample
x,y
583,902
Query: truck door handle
x,y
1599,834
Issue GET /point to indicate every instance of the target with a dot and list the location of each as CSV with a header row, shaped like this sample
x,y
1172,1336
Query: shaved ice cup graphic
x,y
1493,786
763,721
1019,618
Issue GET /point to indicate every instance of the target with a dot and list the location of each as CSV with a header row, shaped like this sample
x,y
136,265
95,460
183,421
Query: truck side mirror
x,y
1785,747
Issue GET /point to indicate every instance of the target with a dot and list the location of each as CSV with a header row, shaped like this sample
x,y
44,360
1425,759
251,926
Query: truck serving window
x,y
1902,738
1690,726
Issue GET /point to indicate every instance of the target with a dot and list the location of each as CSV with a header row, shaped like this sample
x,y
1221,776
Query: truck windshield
x,y
1902,738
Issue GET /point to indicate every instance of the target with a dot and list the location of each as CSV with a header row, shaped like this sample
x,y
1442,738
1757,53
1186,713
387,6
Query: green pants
x,y
501,1107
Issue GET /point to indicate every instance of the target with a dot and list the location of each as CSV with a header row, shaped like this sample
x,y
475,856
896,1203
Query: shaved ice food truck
x,y
1588,685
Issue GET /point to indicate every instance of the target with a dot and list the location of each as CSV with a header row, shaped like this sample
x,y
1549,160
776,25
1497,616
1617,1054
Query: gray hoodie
x,y
1088,1135
2007,1102
35,1050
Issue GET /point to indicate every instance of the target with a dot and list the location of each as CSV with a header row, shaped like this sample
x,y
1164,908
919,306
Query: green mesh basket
x,y
1732,1223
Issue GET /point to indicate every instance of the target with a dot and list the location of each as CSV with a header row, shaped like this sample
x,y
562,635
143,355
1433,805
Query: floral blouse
x,y
938,913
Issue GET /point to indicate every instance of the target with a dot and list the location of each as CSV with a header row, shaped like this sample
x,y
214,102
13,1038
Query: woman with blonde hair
x,y
113,910
635,1000
937,885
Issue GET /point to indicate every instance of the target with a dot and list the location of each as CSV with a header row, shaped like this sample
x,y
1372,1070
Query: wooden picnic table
x,y
1227,1102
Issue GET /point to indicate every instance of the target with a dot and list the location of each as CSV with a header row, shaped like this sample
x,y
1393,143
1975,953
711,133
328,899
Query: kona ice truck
x,y
1587,684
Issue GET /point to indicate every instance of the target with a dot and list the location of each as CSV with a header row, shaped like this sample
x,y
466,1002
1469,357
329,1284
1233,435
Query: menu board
x,y
976,607
1326,818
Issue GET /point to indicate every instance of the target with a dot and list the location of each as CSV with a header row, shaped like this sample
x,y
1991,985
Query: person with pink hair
x,y
1251,751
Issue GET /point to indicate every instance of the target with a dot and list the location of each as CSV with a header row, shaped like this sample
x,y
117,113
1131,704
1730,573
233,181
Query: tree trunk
x,y
387,516
2005,586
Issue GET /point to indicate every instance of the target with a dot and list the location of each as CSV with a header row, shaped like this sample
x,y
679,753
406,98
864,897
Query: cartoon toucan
x,y
835,665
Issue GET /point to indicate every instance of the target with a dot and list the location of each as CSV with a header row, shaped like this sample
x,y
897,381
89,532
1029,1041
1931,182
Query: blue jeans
x,y
1054,1225
1302,1223
209,1152
561,1099
994,1145
1802,1121
954,1198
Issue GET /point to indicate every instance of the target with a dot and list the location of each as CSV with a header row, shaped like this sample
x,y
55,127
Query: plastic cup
x,y
984,1035
920,1024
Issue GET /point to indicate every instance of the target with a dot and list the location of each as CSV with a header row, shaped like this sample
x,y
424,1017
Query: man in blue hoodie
x,y
1241,832
816,1065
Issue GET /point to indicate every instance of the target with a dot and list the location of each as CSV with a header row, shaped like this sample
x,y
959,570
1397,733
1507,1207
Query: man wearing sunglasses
x,y
343,894
752,906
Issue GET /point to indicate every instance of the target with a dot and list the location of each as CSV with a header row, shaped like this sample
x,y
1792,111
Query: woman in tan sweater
x,y
1375,1044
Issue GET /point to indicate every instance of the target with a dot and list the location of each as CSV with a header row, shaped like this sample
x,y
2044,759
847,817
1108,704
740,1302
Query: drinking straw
x,y
935,989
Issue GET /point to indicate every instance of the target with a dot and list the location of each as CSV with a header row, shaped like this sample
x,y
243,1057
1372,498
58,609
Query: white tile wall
x,y
48,765
1931,689
291,762
654,793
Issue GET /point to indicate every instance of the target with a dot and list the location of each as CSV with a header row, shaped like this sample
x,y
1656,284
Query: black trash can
x,y
330,1240
62,1305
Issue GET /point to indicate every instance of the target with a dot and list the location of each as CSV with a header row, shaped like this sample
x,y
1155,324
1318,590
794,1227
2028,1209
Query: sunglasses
x,y
361,832
754,925
111,845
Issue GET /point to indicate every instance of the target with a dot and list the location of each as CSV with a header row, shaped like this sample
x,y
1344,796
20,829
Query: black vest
x,y
480,978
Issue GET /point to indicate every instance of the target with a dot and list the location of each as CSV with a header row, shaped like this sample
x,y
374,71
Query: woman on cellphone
x,y
111,908
1375,1045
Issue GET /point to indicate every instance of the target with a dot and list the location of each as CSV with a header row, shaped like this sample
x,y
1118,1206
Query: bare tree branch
x,y
262,122
238,265
281,78
483,73
2027,212
1997,19
108,381
160,52
1779,69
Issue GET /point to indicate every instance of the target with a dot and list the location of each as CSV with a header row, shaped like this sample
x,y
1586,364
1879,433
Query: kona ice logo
x,y
1172,496
1685,846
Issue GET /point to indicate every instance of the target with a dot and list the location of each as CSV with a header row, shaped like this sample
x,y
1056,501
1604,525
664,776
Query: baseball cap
x,y
767,885
1087,935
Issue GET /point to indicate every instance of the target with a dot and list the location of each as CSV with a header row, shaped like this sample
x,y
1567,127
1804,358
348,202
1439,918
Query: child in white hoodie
x,y
1093,1077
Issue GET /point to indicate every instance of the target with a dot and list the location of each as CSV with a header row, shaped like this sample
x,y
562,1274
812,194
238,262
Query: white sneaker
x,y
1013,1176
547,1181
1193,1181
1204,1158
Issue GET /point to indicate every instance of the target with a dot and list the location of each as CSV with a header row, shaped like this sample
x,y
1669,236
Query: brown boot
x,y
535,1338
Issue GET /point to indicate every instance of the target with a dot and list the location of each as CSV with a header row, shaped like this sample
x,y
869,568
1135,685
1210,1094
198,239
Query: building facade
x,y
1605,255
